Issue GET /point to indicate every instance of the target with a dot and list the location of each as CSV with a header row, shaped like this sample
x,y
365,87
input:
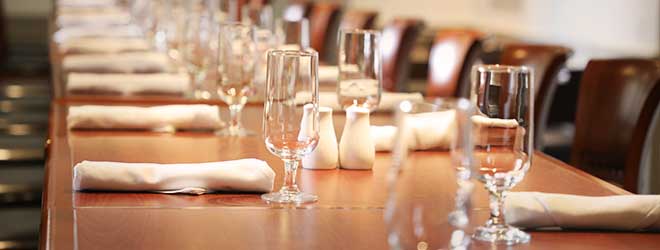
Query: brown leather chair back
x,y
323,24
450,60
358,19
616,102
546,61
397,40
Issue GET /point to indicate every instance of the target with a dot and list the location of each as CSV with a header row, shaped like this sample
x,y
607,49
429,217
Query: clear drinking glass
x,y
237,55
172,22
198,48
429,192
290,131
295,33
503,141
360,74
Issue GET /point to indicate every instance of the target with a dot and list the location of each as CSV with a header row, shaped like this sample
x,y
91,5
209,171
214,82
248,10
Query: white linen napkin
x,y
622,212
128,84
388,100
246,175
430,130
121,31
93,18
101,45
86,3
328,74
159,118
134,62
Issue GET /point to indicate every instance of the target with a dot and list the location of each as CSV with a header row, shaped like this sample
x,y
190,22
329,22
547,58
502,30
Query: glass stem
x,y
290,168
497,195
235,117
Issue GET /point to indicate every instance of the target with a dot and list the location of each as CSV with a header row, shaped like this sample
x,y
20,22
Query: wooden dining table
x,y
348,214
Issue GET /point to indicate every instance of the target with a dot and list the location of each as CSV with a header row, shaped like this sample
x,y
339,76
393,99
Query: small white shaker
x,y
326,153
356,148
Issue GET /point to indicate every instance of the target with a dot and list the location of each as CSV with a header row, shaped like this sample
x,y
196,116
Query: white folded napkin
x,y
622,212
93,18
134,62
246,175
388,100
430,130
122,31
128,84
86,3
159,118
101,45
328,74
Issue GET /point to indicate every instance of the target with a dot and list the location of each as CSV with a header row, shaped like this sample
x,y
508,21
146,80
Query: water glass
x,y
360,74
290,127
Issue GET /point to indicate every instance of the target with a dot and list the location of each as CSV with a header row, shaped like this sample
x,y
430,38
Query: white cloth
x,y
123,31
135,62
623,212
430,130
328,74
388,100
128,84
247,175
159,118
93,19
101,45
86,3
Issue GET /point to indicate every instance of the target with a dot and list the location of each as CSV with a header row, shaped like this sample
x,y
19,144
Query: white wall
x,y
593,28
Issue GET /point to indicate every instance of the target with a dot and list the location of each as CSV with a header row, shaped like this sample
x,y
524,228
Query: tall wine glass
x,y
197,48
360,74
237,55
503,144
427,208
291,128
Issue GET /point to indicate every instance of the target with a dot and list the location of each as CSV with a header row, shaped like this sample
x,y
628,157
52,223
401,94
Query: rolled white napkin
x,y
93,18
622,212
128,84
159,118
388,100
121,31
103,45
134,62
328,74
247,175
431,130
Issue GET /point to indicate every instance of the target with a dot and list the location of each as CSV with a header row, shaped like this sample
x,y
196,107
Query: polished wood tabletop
x,y
348,215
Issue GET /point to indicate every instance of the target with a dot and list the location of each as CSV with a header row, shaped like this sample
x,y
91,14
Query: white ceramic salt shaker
x,y
326,153
356,148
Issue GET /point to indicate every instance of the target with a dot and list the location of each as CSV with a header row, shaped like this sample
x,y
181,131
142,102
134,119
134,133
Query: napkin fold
x,y
388,100
128,84
246,175
158,118
134,62
621,212
103,45
430,130
120,31
86,3
93,18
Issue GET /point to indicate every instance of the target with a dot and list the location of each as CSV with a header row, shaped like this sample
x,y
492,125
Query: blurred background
x,y
588,29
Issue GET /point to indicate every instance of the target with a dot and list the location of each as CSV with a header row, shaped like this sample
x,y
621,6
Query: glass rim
x,y
292,53
360,31
501,68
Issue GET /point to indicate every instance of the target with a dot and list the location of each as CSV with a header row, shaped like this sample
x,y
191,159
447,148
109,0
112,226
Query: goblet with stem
x,y
503,141
290,118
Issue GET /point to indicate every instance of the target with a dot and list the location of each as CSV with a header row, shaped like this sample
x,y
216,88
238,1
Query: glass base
x,y
240,132
501,234
282,197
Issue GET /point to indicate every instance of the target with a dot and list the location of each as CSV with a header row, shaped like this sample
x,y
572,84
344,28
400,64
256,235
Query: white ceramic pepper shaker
x,y
326,153
356,148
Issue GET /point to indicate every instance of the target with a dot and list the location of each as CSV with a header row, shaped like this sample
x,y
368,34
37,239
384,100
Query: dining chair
x,y
547,61
397,41
323,24
358,19
616,105
451,57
